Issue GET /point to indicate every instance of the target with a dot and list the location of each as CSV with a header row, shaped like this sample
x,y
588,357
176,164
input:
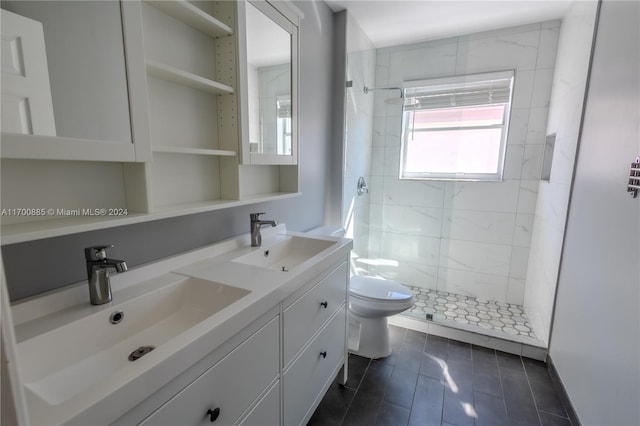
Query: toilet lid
x,y
377,288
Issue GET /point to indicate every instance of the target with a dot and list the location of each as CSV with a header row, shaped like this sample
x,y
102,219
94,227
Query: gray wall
x,y
37,266
595,338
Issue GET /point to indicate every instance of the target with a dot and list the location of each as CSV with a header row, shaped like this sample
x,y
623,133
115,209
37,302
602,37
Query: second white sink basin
x,y
286,254
60,364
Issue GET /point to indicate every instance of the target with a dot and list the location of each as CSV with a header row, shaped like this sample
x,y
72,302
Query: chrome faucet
x,y
98,266
256,224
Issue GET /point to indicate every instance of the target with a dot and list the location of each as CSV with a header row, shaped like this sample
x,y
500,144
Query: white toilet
x,y
371,301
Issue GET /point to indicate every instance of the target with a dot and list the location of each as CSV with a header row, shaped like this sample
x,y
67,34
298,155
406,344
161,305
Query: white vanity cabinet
x,y
314,344
306,314
309,377
225,391
261,346
274,371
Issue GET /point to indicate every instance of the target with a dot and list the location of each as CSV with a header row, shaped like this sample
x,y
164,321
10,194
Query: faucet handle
x,y
95,253
255,216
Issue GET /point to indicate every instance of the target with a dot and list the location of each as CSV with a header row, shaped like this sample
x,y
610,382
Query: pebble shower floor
x,y
471,311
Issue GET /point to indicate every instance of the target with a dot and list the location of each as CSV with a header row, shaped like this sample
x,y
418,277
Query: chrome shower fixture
x,y
391,101
370,89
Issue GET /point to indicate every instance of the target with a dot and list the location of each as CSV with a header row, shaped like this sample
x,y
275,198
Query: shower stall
x,y
480,256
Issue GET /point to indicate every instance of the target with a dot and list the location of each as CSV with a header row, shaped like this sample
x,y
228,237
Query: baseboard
x,y
564,396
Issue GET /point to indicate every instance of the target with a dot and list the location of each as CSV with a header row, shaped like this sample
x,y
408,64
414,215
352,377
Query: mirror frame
x,y
138,149
289,21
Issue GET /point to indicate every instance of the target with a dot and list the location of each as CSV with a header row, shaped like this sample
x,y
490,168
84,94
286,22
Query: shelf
x,y
166,72
194,151
193,16
22,232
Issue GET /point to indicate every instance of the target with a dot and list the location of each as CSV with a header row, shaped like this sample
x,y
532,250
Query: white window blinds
x,y
461,91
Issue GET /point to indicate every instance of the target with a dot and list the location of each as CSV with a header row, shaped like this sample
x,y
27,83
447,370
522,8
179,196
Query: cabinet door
x,y
268,46
90,104
26,94
229,387
306,315
267,412
311,374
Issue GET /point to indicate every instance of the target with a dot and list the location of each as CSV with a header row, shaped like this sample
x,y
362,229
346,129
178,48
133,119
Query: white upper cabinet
x,y
151,101
268,71
71,87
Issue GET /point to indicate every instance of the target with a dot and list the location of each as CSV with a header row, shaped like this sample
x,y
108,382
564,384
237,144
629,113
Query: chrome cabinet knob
x,y
213,414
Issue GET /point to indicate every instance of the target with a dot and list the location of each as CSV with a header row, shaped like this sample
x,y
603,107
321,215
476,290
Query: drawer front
x,y
307,315
231,385
309,374
267,412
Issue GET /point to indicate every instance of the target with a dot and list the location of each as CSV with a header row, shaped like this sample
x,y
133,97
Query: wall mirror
x,y
64,75
270,101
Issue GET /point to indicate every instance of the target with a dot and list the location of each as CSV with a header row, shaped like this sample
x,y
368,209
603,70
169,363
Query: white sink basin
x,y
286,254
60,364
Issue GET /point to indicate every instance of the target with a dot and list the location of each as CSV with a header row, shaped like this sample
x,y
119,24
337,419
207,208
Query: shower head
x,y
391,101
371,89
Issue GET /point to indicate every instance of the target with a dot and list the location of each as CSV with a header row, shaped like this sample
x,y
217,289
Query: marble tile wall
x,y
469,238
574,48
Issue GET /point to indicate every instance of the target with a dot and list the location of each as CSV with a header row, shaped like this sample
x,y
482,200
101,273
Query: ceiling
x,y
394,22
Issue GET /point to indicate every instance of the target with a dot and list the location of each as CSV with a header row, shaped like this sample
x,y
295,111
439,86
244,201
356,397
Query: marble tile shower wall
x,y
571,69
469,238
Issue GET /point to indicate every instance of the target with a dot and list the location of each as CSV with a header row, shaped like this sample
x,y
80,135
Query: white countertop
x,y
105,402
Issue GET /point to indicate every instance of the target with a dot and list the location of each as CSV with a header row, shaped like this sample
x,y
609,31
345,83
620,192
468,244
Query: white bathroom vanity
x,y
226,334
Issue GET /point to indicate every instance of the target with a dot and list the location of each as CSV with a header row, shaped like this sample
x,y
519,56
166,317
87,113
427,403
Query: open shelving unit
x,y
168,73
194,17
194,151
185,110
184,75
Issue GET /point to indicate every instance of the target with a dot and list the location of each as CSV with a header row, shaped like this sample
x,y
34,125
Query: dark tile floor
x,y
430,380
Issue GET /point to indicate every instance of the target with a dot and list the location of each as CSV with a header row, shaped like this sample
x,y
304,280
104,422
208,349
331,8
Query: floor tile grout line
x,y
393,369
473,382
384,394
556,415
478,359
404,335
535,401
533,396
423,352
504,399
344,416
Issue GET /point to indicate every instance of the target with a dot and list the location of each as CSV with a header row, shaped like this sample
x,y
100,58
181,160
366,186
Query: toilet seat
x,y
378,290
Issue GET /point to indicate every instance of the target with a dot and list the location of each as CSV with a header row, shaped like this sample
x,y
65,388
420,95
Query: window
x,y
283,124
456,128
